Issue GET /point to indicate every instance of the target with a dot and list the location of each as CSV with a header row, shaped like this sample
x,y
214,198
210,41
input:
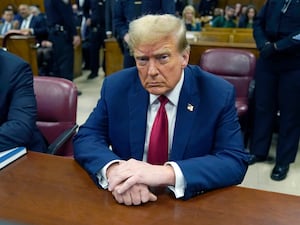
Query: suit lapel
x,y
138,104
188,105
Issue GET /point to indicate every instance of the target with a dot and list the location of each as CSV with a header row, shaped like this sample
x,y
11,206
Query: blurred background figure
x,y
8,21
94,13
32,25
225,21
246,21
126,11
63,35
277,84
190,20
206,7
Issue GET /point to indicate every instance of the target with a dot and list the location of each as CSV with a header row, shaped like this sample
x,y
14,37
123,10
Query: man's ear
x,y
185,58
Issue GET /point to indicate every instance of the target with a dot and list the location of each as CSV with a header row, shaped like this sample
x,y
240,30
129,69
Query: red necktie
x,y
158,144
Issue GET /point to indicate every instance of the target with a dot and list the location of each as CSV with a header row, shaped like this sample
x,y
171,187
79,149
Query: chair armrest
x,y
61,139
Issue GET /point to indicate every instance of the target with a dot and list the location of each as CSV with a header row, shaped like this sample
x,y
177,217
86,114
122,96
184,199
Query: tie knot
x,y
163,100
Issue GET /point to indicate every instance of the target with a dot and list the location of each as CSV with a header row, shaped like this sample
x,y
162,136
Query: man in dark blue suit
x,y
204,149
18,106
32,25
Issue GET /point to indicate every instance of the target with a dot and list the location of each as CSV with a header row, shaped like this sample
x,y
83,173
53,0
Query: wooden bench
x,y
24,47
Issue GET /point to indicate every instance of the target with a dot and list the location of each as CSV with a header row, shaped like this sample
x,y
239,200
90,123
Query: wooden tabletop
x,y
40,189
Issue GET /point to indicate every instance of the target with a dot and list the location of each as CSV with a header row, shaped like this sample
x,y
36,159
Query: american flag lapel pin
x,y
190,107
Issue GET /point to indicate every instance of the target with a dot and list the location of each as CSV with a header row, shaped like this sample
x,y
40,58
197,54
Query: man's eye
x,y
141,60
163,58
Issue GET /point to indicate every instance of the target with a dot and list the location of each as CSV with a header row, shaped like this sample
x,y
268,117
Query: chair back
x,y
234,65
57,109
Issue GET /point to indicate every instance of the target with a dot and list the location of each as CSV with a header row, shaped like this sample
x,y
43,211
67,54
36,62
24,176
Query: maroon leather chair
x,y
234,65
237,67
57,111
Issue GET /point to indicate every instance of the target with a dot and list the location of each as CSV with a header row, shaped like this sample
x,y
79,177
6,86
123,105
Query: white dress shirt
x,y
171,109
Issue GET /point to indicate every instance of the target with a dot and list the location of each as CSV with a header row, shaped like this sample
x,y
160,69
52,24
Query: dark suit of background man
x,y
63,35
127,10
18,108
205,148
32,25
94,12
277,36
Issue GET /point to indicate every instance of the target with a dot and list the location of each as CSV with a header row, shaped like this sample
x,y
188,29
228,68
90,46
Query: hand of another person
x,y
121,177
76,41
136,195
267,50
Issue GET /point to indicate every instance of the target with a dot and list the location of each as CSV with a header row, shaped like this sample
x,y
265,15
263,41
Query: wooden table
x,y
40,189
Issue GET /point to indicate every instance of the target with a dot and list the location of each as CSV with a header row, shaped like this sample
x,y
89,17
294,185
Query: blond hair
x,y
153,28
192,9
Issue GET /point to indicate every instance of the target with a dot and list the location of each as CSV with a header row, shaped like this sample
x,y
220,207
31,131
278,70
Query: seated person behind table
x,y
18,108
246,21
191,22
225,21
203,148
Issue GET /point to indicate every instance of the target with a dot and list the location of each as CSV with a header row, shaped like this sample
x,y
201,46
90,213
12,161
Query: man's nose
x,y
152,69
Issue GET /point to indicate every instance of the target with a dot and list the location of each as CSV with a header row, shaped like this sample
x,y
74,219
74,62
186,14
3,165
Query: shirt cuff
x,y
180,183
101,175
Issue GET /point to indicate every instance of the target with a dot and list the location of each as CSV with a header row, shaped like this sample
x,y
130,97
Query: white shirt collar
x,y
173,95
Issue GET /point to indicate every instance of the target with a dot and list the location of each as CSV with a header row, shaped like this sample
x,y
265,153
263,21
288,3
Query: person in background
x,y
94,12
8,22
226,20
18,109
247,20
237,11
179,6
126,11
218,12
277,84
63,36
190,21
32,25
162,124
206,7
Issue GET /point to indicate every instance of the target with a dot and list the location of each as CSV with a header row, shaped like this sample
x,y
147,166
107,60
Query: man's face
x,y
8,16
160,65
24,11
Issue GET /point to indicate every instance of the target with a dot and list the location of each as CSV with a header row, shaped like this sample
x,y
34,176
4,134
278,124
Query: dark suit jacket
x,y
17,105
207,143
39,26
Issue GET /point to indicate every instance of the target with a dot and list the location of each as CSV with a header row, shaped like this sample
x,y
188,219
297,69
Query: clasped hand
x,y
129,181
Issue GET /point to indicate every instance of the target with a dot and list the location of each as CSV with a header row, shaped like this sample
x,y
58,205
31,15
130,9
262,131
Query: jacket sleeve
x,y
20,123
259,28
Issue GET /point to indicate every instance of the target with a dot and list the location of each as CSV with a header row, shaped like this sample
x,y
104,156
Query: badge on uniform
x,y
66,1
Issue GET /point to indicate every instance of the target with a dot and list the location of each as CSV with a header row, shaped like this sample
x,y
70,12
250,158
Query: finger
x,y
117,197
126,185
136,197
152,197
127,198
146,195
